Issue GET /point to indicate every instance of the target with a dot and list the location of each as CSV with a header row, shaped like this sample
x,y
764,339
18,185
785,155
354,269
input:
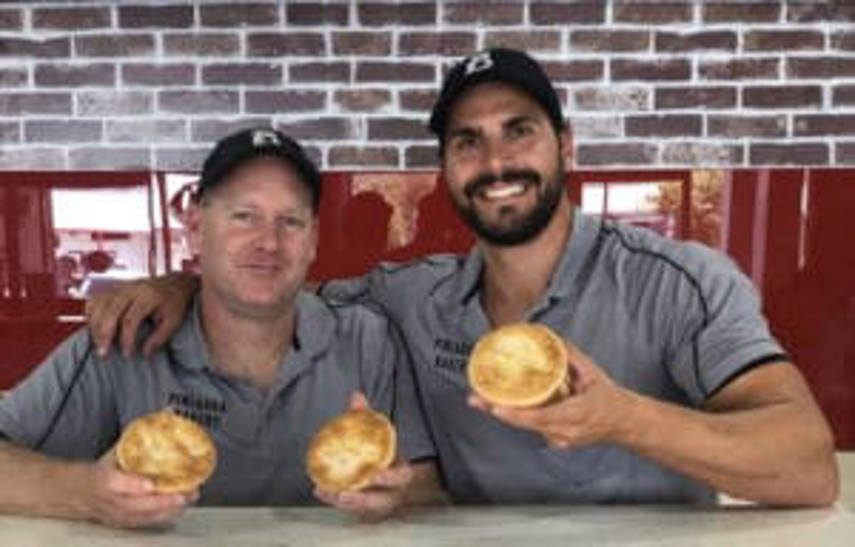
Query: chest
x,y
616,335
261,440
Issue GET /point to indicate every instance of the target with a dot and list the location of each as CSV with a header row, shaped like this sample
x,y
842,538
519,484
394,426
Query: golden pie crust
x,y
350,449
175,452
518,365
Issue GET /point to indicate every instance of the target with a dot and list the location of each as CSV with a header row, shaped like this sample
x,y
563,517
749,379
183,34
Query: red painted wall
x,y
791,230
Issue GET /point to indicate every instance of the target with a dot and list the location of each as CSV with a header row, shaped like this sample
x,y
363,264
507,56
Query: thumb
x,y
120,481
358,401
583,371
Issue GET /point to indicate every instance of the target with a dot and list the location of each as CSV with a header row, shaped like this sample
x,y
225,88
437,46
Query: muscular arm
x,y
35,484
761,438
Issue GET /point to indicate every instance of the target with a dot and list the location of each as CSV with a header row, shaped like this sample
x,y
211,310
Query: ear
x,y
565,143
193,223
314,235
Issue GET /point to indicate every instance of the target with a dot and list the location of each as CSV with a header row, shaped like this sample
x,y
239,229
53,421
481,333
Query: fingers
x,y
127,500
398,476
358,401
478,403
116,482
134,314
141,511
368,505
384,496
102,316
127,484
166,324
583,371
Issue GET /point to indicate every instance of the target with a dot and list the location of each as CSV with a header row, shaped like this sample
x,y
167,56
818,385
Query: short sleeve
x,y
718,328
65,407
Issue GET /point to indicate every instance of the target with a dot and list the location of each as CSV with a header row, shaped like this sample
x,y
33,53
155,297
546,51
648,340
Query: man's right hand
x,y
164,300
124,500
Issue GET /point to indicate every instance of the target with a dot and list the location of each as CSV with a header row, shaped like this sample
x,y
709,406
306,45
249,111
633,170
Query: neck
x,y
245,347
516,277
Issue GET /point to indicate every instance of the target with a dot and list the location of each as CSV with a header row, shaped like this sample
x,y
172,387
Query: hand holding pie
x,y
176,453
519,365
349,450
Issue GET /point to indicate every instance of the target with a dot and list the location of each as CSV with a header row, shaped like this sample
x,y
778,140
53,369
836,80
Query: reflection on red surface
x,y
788,229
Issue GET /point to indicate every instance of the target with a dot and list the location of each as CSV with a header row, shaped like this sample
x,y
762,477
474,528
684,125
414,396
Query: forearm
x,y
34,484
779,453
182,285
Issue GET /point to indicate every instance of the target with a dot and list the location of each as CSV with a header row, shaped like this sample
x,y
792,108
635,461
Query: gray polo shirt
x,y
672,320
261,439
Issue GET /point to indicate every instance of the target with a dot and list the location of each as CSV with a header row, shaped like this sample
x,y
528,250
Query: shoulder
x,y
341,322
654,259
76,347
397,285
426,270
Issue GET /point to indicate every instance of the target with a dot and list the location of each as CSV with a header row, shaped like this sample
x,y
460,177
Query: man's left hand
x,y
381,499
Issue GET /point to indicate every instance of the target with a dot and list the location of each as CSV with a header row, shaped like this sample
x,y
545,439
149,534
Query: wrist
x,y
71,483
628,430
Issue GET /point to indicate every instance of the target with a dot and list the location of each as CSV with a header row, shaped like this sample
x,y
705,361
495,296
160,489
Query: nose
x,y
496,156
267,237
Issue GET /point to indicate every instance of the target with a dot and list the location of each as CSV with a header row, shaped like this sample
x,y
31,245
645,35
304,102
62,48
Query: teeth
x,y
502,192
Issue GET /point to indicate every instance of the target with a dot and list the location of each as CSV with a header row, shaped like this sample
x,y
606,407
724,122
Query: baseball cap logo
x,y
479,63
265,137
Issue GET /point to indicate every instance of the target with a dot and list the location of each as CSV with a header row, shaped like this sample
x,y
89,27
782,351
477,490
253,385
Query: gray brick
x,y
245,14
145,130
114,102
109,157
615,155
696,154
62,131
32,158
19,104
202,44
193,102
212,130
788,154
72,18
272,102
363,156
155,16
78,75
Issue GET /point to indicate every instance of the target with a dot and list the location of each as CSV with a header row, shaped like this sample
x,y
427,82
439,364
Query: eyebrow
x,y
516,120
462,132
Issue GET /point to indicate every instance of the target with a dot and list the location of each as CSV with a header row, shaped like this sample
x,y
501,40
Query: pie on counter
x,y
518,365
175,452
350,449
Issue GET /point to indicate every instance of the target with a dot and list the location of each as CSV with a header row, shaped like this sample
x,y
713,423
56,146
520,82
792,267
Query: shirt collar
x,y
314,334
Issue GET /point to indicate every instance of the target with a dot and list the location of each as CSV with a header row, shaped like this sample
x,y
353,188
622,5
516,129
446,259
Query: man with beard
x,y
680,390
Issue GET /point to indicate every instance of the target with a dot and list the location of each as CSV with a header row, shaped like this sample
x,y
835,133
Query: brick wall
x,y
150,84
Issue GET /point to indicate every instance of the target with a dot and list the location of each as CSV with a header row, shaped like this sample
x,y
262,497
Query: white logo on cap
x,y
265,137
479,63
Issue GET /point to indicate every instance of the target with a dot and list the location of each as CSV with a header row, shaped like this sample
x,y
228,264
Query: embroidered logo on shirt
x,y
451,354
205,410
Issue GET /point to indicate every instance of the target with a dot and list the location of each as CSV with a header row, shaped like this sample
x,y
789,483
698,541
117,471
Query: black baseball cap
x,y
244,145
496,65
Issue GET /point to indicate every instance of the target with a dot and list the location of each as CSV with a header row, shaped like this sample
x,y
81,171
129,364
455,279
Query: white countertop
x,y
525,526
